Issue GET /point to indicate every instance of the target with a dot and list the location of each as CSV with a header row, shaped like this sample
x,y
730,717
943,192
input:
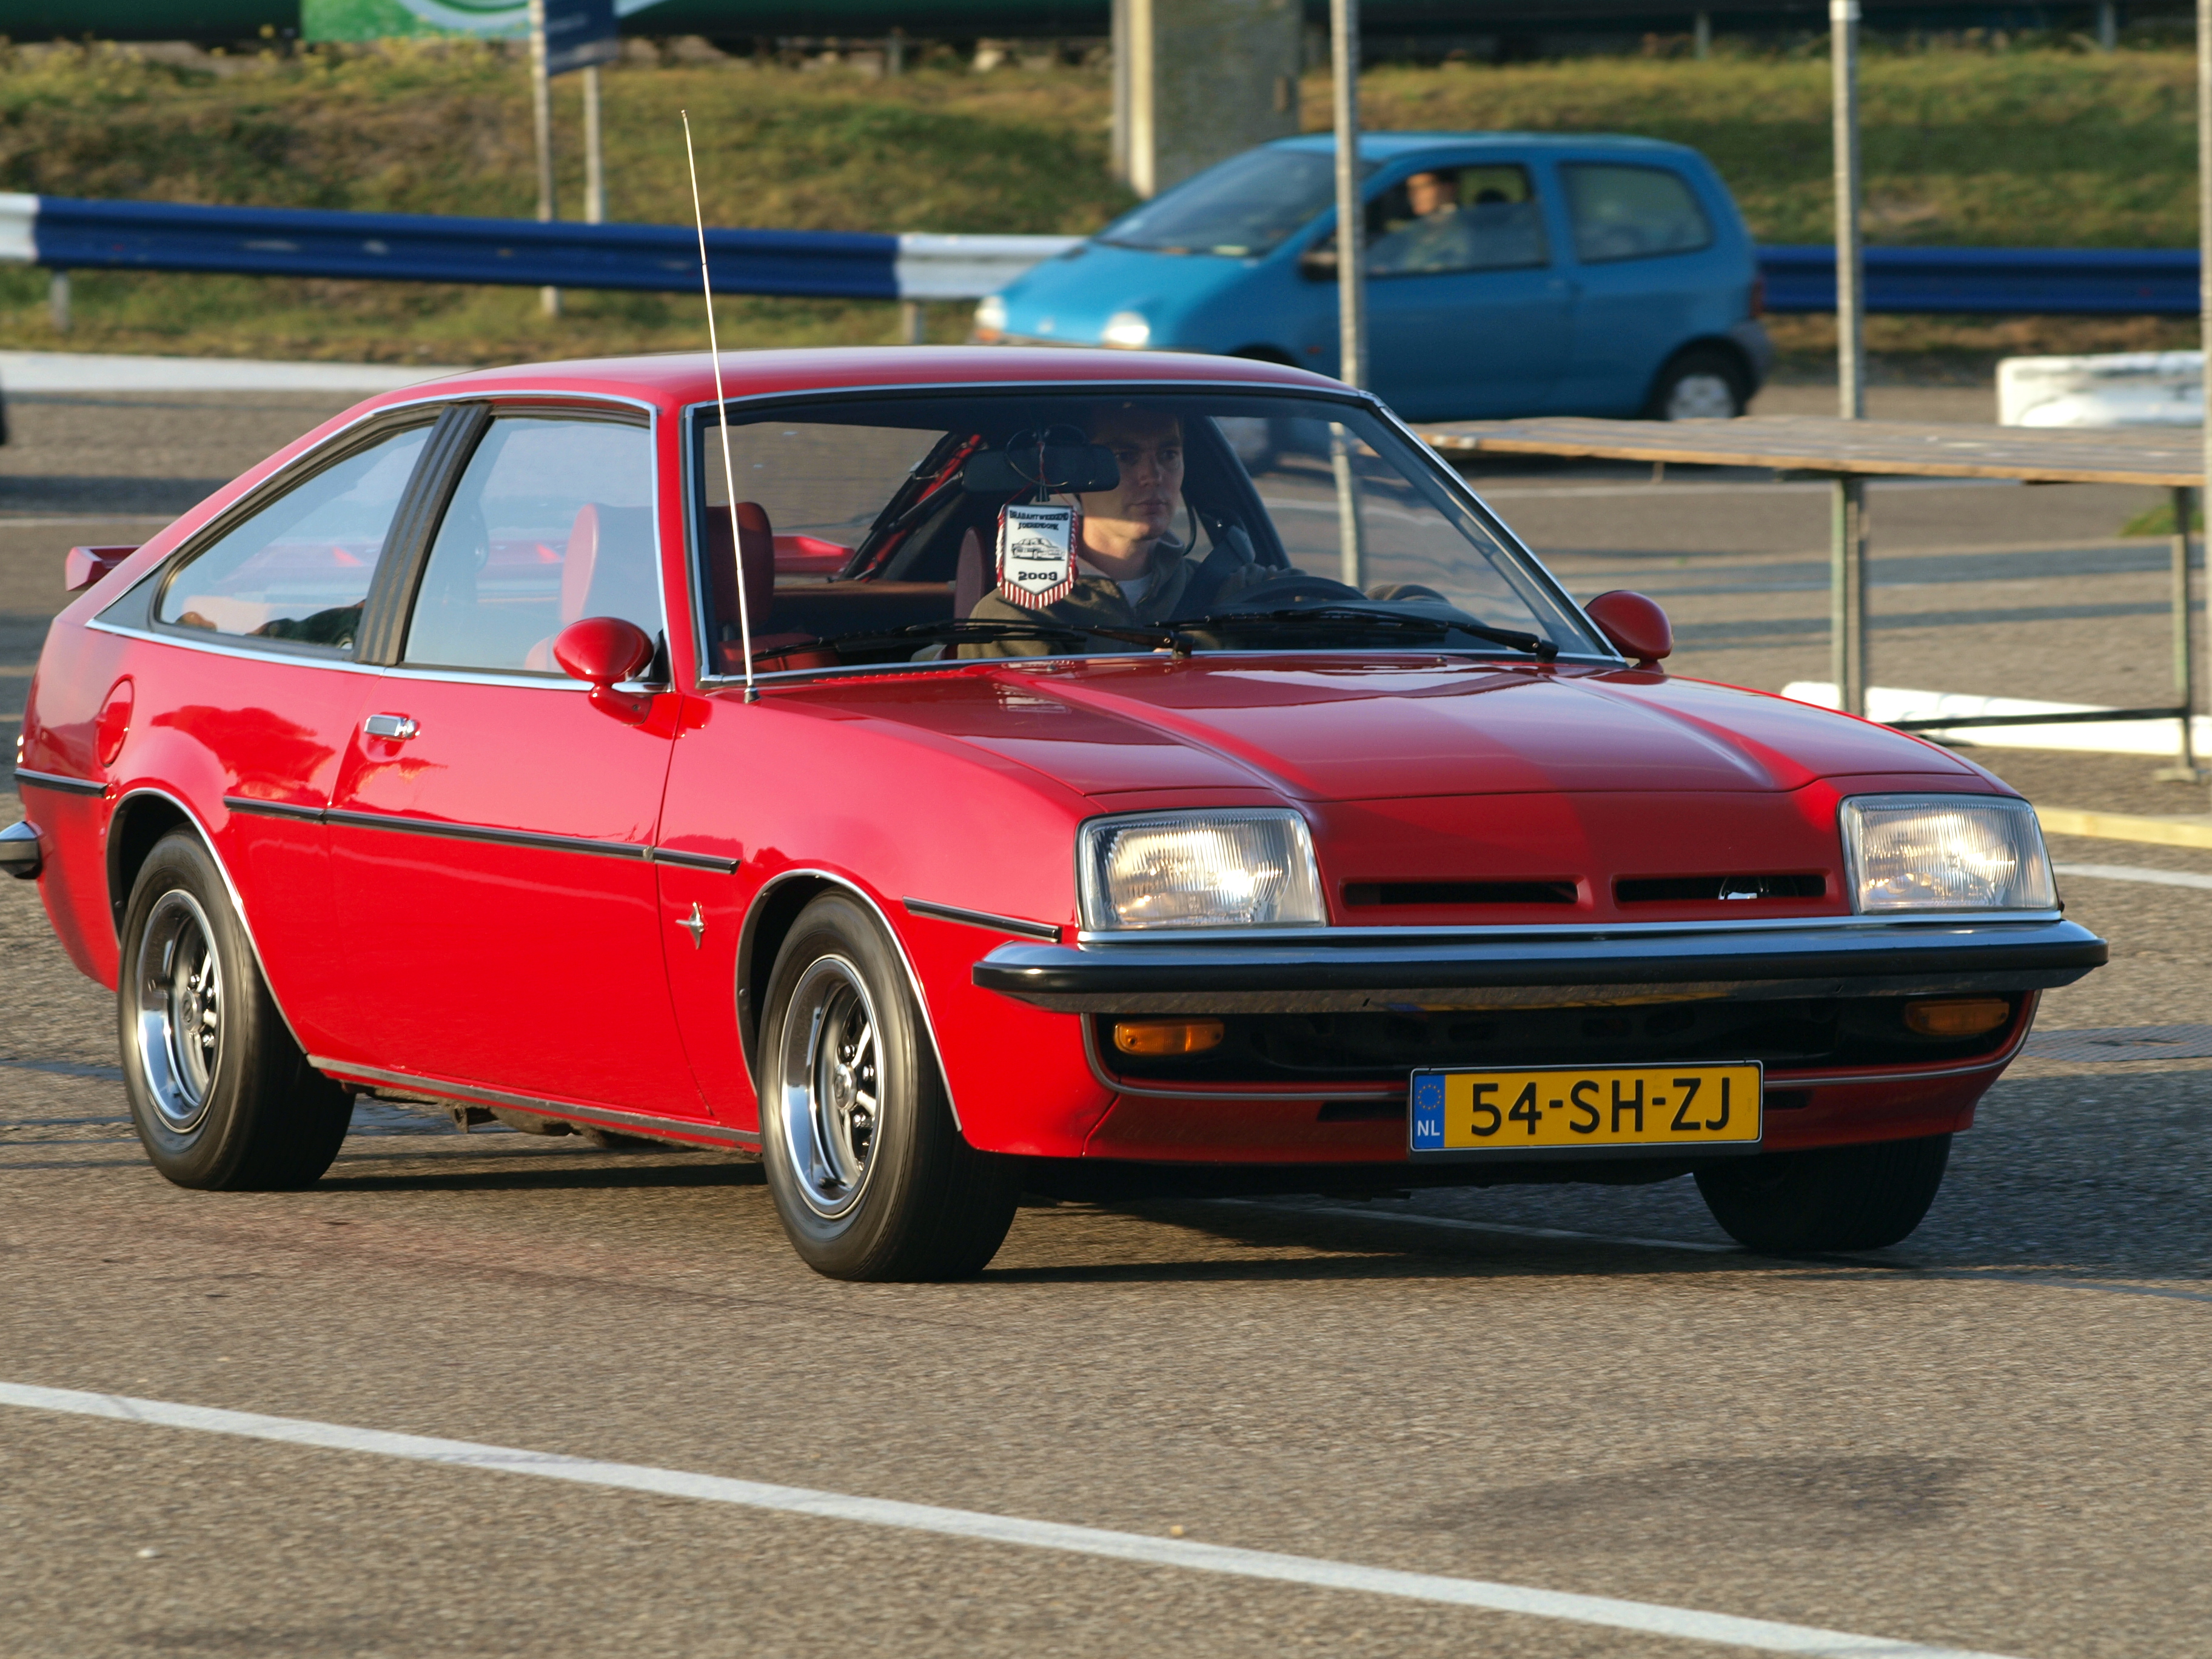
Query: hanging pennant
x,y
1036,553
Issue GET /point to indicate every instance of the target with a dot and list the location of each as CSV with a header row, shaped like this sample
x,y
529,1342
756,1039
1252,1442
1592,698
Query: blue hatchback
x,y
1509,274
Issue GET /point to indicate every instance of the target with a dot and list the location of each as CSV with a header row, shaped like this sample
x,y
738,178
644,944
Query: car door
x,y
250,716
492,832
1646,261
1469,314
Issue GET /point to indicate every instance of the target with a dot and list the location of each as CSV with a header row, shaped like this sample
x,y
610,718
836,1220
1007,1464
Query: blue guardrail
x,y
67,235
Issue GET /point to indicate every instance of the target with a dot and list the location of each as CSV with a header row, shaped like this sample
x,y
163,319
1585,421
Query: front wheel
x,y
1701,384
1836,1198
220,1095
871,1178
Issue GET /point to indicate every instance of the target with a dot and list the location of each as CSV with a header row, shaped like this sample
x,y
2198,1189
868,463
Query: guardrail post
x,y
58,300
1701,35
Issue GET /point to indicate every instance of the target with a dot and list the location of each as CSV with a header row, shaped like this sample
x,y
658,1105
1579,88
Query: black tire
x,y
1839,1198
870,1176
1700,383
222,1096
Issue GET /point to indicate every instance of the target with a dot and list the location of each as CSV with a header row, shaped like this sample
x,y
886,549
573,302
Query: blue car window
x,y
1456,219
1632,212
1243,207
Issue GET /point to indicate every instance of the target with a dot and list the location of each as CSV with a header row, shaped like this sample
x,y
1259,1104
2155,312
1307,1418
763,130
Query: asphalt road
x,y
1990,1437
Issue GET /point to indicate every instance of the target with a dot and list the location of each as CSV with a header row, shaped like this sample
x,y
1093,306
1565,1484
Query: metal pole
x,y
1351,219
914,323
2184,769
2108,26
541,121
1847,561
2204,264
1351,531
1701,35
58,300
595,161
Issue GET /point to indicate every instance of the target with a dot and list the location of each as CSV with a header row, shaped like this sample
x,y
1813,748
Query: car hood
x,y
1372,730
1069,299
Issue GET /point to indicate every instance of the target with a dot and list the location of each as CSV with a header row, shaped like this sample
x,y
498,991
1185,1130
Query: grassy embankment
x,y
2024,148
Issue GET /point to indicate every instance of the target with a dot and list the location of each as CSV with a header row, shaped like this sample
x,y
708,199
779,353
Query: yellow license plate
x,y
1557,1107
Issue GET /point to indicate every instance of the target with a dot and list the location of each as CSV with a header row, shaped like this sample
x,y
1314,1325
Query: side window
x,y
1453,219
551,522
1632,213
301,567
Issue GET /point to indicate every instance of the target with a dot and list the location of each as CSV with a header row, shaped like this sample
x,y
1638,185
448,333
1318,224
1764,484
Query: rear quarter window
x,y
1623,212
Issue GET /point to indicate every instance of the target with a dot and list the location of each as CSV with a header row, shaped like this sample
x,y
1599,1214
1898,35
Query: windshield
x,y
879,530
1243,207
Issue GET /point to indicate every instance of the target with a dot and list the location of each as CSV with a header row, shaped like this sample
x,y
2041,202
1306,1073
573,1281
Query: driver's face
x,y
1428,191
1149,448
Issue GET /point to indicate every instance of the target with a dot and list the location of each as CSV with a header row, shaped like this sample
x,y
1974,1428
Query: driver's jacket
x,y
1097,601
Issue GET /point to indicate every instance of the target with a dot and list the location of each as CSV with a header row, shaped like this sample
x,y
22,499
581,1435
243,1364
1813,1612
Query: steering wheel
x,y
1294,590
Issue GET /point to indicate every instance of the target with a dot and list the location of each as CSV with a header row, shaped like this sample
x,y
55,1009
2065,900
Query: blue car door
x,y
1648,263
1468,313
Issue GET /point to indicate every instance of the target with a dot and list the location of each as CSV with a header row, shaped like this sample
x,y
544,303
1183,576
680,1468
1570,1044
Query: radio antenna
x,y
722,405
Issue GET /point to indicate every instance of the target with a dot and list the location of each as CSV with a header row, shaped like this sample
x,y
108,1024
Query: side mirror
x,y
603,650
1634,626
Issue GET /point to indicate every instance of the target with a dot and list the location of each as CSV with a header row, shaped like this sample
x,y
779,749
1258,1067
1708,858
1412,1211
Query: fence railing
x,y
68,234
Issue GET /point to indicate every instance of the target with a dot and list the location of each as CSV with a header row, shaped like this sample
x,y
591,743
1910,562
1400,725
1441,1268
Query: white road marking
x,y
1650,1619
2135,872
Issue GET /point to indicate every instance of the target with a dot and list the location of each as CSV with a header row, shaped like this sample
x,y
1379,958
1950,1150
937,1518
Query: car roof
x,y
1390,146
676,379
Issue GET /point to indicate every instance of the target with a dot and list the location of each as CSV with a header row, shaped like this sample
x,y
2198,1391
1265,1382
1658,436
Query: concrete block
x,y
2124,388
1196,81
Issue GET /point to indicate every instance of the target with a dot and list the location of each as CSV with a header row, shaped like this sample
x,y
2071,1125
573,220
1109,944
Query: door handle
x,y
398,727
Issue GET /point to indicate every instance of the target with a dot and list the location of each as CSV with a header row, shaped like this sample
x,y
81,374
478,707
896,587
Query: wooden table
x,y
1850,453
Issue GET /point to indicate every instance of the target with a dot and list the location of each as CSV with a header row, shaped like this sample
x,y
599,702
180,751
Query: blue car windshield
x,y
1242,209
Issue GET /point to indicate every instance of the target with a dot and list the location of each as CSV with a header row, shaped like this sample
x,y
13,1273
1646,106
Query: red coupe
x,y
955,773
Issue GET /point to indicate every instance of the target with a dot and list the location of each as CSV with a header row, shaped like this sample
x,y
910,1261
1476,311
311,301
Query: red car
x,y
955,773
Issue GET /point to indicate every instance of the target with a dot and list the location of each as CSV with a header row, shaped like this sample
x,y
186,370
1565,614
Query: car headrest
x,y
755,553
607,568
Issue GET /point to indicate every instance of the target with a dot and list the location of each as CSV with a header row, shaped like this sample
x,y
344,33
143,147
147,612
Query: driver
x,y
1129,569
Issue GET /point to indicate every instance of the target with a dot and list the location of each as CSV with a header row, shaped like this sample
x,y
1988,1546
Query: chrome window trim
x,y
1591,932
607,1117
913,980
117,901
213,646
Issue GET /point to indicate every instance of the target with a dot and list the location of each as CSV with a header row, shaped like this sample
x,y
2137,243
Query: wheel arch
x,y
768,924
141,819
1718,343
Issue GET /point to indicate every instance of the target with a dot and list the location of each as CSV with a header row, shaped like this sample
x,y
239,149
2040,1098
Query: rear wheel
x,y
1836,1198
1704,383
870,1176
220,1095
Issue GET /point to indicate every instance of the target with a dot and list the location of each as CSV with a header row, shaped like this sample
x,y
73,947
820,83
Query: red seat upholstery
x,y
606,570
757,555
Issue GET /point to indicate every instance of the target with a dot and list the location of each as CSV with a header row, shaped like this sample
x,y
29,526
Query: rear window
x,y
1632,213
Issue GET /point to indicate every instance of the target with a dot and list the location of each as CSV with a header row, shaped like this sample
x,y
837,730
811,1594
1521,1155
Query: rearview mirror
x,y
1069,468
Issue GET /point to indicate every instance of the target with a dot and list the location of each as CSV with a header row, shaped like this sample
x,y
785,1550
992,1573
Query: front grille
x,y
1794,1035
1364,895
1712,889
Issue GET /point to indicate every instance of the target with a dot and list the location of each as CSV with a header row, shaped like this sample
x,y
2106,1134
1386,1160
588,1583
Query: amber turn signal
x,y
1167,1037
1957,1017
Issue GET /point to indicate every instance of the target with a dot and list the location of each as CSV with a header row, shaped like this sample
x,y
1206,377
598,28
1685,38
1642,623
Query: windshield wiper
x,y
1382,622
987,630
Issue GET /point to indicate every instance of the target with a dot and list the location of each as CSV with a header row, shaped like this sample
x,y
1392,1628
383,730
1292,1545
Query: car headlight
x,y
1946,853
990,317
1127,328
1222,869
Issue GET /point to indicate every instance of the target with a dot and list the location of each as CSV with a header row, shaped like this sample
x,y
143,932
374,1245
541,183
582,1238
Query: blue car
x,y
1508,274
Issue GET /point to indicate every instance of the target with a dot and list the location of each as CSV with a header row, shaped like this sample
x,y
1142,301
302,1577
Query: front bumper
x,y
1358,969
